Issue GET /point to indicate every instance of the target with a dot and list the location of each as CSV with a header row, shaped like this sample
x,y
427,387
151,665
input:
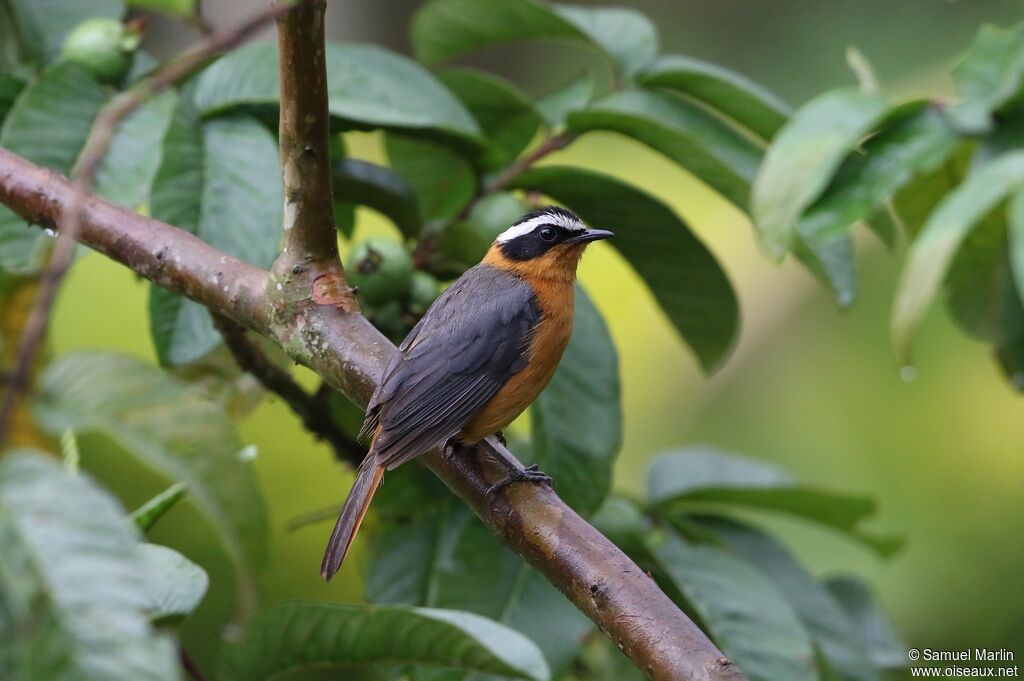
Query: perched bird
x,y
480,355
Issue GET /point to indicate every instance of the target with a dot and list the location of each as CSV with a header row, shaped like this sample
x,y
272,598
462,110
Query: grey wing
x,y
470,342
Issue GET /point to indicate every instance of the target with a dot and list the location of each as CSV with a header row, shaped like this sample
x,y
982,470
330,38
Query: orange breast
x,y
547,343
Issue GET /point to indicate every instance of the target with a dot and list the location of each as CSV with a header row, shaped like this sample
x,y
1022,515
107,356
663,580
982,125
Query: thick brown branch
x,y
309,232
95,150
313,410
350,354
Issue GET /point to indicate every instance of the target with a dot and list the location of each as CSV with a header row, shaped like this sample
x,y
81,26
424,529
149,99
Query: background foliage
x,y
204,158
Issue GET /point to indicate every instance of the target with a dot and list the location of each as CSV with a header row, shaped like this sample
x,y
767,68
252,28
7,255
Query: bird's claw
x,y
529,474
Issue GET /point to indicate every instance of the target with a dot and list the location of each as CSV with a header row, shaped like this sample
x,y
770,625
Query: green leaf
x,y
465,242
823,616
803,158
831,260
145,516
679,479
73,588
443,29
683,275
1010,357
48,125
220,180
1015,227
919,141
990,75
577,420
505,113
930,255
884,645
69,452
43,25
379,188
178,8
293,636
177,584
555,106
744,612
448,559
143,410
131,163
980,291
366,86
698,141
917,199
10,88
723,90
443,180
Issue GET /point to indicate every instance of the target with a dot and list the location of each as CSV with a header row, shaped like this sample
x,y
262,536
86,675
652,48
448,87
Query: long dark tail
x,y
352,513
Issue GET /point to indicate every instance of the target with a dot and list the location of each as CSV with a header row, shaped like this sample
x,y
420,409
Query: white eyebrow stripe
x,y
523,228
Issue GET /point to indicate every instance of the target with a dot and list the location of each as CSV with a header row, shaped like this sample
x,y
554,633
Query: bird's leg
x,y
501,438
516,473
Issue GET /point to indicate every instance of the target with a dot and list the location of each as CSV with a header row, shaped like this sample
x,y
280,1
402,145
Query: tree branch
x,y
96,146
350,354
313,410
309,232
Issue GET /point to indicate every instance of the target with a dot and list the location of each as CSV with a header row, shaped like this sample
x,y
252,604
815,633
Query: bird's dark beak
x,y
590,235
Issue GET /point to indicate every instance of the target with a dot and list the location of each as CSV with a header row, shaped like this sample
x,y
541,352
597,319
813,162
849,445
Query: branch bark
x,y
309,233
350,354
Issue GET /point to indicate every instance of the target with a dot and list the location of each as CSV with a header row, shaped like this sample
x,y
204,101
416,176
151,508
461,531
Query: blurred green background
x,y
808,386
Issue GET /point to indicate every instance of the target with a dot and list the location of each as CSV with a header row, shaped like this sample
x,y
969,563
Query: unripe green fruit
x,y
103,47
423,291
389,320
381,269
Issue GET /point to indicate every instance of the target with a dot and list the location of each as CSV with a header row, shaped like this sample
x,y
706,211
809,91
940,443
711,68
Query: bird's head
x,y
544,243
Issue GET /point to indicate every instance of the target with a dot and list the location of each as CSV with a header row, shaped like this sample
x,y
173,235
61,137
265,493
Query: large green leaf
x,y
577,420
43,24
916,143
73,589
930,255
48,125
219,179
803,158
990,75
293,636
723,90
744,612
162,423
443,180
556,105
178,584
133,158
505,113
448,559
683,275
823,616
980,292
380,188
443,29
702,143
883,643
693,478
366,86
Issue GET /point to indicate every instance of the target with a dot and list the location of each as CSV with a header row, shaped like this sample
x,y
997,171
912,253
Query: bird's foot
x,y
501,438
528,474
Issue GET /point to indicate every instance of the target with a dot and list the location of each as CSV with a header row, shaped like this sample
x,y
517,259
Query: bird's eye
x,y
548,233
